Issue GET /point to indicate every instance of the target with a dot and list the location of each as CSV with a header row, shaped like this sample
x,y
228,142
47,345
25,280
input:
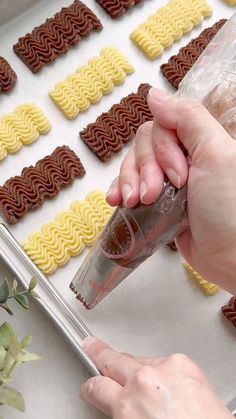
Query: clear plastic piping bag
x,y
133,235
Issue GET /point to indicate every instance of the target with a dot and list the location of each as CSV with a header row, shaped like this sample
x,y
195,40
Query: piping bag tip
x,y
79,297
130,237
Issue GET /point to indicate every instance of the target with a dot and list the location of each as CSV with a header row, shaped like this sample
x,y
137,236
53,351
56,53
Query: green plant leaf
x,y
4,291
3,354
12,398
5,378
15,348
34,294
6,308
32,284
14,286
26,356
7,334
26,341
22,300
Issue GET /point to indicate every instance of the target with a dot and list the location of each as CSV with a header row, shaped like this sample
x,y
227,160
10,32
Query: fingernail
x,y
109,192
158,95
173,177
126,193
143,190
87,342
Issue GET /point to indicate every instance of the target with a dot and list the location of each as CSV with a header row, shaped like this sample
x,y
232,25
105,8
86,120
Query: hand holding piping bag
x,y
173,387
208,243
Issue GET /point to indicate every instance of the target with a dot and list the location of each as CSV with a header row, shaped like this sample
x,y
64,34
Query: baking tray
x,y
52,303
158,310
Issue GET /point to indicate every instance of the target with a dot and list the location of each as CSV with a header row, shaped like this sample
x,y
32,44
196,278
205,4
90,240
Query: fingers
x,y
151,175
101,392
129,180
126,187
150,361
114,196
169,155
113,364
140,175
157,148
193,123
146,361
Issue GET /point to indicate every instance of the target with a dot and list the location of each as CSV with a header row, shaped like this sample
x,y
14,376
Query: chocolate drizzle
x,y
28,191
79,297
54,37
8,76
229,310
179,65
118,126
116,8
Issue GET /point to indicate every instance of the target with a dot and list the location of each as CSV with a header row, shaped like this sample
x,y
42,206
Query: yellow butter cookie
x,y
21,127
168,25
69,233
90,82
207,287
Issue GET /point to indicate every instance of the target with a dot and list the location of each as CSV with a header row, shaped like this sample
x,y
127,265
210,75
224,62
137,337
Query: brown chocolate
x,y
28,191
229,310
116,8
221,100
179,65
172,246
228,121
118,126
221,103
8,76
56,36
79,297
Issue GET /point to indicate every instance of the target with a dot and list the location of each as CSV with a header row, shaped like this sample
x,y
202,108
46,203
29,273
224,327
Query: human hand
x,y
157,388
209,242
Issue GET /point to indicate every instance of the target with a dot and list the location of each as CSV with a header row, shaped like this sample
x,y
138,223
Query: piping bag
x,y
134,234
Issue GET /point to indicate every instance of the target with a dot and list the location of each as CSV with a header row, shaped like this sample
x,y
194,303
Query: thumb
x,y
196,128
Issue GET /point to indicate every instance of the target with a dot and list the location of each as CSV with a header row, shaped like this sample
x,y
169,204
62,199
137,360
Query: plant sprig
x,y
12,351
7,293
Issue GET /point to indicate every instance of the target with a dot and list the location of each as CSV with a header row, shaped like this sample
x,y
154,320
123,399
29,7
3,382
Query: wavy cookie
x,y
116,8
112,129
28,191
69,233
8,76
168,25
21,127
230,2
179,64
229,310
56,36
207,287
91,82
